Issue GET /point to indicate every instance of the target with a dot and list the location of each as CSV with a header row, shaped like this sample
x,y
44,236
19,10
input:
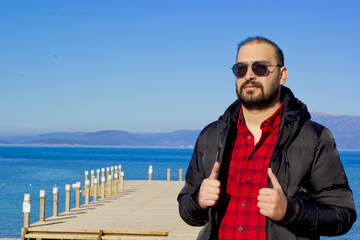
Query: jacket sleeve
x,y
189,209
329,210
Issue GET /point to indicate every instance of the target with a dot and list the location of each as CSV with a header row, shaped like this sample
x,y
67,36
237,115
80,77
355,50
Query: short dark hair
x,y
258,39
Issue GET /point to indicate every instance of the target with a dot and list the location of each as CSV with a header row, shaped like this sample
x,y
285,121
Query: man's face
x,y
258,92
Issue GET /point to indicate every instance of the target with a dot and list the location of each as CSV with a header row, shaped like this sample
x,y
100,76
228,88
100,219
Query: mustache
x,y
253,83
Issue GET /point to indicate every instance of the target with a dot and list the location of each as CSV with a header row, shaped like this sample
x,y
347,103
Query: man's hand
x,y
272,201
210,189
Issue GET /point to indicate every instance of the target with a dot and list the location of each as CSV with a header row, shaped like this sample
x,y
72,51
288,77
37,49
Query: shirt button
x,y
243,205
249,137
240,228
247,181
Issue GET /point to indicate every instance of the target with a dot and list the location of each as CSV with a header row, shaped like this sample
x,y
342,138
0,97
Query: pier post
x,y
109,185
116,183
55,201
102,187
92,178
98,175
180,175
67,197
78,187
107,173
86,176
122,181
112,172
24,231
119,170
42,205
87,192
95,189
26,210
150,172
102,173
116,170
168,175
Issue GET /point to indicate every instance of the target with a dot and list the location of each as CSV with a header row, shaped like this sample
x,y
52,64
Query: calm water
x,y
29,169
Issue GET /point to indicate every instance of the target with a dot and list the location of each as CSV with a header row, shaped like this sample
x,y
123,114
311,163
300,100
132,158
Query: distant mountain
x,y
45,137
176,138
3,142
345,128
110,138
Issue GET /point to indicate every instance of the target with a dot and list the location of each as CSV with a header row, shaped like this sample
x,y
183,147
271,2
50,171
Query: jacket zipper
x,y
286,157
218,154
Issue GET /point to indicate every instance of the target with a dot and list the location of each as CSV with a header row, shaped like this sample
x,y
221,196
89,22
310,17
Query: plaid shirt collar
x,y
271,123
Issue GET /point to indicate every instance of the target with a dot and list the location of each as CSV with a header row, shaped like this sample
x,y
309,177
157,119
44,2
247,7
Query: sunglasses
x,y
259,68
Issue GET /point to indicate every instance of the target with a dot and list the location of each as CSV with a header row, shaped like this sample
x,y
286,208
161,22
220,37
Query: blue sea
x,y
29,169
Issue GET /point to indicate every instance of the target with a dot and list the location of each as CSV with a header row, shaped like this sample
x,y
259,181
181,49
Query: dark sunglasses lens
x,y
239,70
259,68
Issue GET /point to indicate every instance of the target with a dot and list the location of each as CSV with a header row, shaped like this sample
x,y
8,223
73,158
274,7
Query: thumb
x,y
274,180
214,170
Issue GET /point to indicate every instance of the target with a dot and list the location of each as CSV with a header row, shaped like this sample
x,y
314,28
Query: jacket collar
x,y
293,107
294,114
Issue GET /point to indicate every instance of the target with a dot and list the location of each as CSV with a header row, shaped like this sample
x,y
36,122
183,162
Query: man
x,y
264,170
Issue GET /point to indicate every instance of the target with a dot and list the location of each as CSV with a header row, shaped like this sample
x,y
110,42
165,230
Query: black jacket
x,y
306,163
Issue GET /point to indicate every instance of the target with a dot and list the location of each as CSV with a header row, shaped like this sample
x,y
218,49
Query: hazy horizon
x,y
135,132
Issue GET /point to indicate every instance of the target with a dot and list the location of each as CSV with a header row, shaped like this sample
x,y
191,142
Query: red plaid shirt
x,y
247,175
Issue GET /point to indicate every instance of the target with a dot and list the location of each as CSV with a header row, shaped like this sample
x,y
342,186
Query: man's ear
x,y
283,75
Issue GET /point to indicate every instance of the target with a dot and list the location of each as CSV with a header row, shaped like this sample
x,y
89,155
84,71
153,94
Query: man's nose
x,y
250,75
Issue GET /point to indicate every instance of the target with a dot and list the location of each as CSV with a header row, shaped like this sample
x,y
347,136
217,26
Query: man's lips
x,y
250,87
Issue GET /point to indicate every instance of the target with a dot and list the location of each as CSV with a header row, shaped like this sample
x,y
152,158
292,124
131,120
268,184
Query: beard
x,y
257,102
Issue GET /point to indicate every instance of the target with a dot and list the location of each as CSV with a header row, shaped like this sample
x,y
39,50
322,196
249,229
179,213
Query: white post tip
x,y
27,197
42,193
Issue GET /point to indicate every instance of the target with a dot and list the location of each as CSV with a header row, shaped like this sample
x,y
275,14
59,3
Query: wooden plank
x,y
62,236
48,230
124,232
133,238
129,232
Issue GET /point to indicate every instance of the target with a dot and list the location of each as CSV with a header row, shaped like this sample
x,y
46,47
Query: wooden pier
x,y
145,210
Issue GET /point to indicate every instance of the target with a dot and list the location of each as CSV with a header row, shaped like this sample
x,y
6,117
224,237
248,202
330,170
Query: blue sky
x,y
161,65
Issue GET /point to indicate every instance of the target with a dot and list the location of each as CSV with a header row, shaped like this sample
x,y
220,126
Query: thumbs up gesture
x,y
272,201
210,189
